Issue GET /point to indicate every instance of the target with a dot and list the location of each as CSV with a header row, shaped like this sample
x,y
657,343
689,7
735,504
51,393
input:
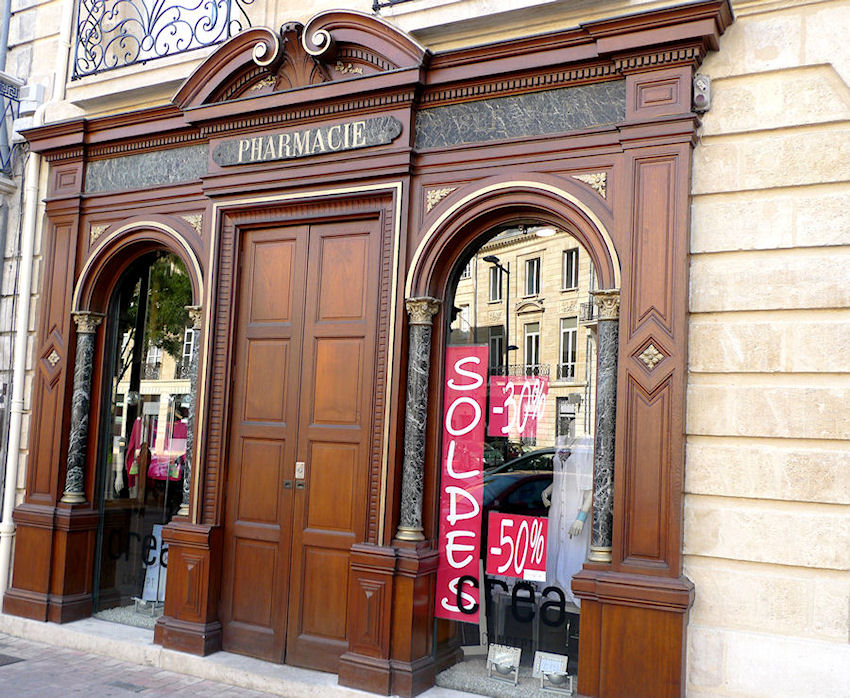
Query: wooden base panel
x,y
195,638
412,678
26,604
67,609
190,621
633,630
365,673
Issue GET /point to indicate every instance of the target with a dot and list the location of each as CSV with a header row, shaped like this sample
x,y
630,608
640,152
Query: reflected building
x,y
543,283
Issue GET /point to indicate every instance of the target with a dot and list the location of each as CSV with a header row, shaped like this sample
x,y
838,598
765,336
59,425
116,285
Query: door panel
x,y
335,425
262,443
303,391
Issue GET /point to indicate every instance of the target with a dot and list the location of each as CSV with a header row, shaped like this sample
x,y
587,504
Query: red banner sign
x,y
516,546
461,483
516,405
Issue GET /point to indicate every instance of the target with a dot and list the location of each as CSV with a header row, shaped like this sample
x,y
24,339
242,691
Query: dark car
x,y
519,492
540,459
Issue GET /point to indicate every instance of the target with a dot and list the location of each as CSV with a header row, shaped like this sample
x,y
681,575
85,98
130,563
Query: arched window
x,y
517,455
144,430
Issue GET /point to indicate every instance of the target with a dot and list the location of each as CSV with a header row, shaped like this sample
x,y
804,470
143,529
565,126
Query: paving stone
x,y
49,672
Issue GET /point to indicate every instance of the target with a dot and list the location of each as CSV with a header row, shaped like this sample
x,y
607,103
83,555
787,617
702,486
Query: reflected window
x,y
569,273
569,334
532,347
144,437
495,284
532,276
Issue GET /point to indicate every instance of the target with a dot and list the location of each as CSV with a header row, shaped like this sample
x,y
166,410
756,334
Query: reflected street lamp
x,y
494,260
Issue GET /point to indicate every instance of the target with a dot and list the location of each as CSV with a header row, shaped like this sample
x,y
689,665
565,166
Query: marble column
x,y
75,473
196,319
420,313
608,302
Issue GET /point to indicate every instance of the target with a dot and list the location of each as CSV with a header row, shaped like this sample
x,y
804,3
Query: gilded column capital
x,y
195,315
608,302
87,321
421,311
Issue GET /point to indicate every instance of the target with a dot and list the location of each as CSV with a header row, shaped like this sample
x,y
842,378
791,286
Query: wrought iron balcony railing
x,y
520,370
567,372
152,372
116,33
10,104
182,370
378,4
587,312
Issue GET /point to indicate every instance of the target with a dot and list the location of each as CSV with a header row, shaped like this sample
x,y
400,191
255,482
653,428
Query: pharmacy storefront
x,y
370,360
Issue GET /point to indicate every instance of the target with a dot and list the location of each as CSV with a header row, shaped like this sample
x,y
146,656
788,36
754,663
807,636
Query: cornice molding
x,y
593,52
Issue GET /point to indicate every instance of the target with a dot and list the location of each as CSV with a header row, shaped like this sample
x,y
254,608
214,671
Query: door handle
x,y
287,484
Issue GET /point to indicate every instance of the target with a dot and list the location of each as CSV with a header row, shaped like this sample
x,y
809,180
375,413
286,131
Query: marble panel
x,y
149,169
533,114
416,411
606,411
78,438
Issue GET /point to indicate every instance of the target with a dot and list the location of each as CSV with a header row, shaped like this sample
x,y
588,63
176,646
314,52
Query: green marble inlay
x,y
143,170
533,114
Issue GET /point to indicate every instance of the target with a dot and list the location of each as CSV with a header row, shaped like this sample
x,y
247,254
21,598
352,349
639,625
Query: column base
x,y
633,633
190,619
599,553
195,638
412,678
371,674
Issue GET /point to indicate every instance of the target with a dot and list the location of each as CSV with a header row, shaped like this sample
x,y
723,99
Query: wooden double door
x,y
300,433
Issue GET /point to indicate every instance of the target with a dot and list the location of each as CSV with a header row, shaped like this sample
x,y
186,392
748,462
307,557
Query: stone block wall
x,y
767,507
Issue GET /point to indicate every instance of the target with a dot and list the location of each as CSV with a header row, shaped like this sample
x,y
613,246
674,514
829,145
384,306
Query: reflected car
x,y
540,459
519,492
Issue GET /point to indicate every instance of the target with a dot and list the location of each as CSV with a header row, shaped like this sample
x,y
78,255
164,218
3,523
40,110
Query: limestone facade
x,y
767,508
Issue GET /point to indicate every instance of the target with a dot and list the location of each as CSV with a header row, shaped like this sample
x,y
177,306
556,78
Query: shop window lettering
x,y
119,545
460,495
553,609
516,405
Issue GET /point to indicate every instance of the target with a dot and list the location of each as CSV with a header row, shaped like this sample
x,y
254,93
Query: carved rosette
x,y
595,180
608,302
421,311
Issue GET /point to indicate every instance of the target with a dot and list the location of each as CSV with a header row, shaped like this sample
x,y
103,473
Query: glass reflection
x,y
144,422
527,299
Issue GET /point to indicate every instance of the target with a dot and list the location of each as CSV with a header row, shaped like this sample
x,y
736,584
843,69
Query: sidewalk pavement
x,y
35,669
98,658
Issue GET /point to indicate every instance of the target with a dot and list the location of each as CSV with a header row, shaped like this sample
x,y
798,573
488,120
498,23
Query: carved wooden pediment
x,y
335,45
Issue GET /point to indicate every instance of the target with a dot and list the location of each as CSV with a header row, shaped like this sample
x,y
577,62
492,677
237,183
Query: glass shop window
x,y
514,506
143,437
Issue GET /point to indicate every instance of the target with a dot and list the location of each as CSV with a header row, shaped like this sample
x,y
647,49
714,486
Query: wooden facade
x,y
302,262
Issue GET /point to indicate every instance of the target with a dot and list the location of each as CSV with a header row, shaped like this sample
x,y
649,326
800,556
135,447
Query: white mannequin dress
x,y
571,479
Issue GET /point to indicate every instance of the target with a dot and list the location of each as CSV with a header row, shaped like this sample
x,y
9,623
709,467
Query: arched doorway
x,y
143,429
